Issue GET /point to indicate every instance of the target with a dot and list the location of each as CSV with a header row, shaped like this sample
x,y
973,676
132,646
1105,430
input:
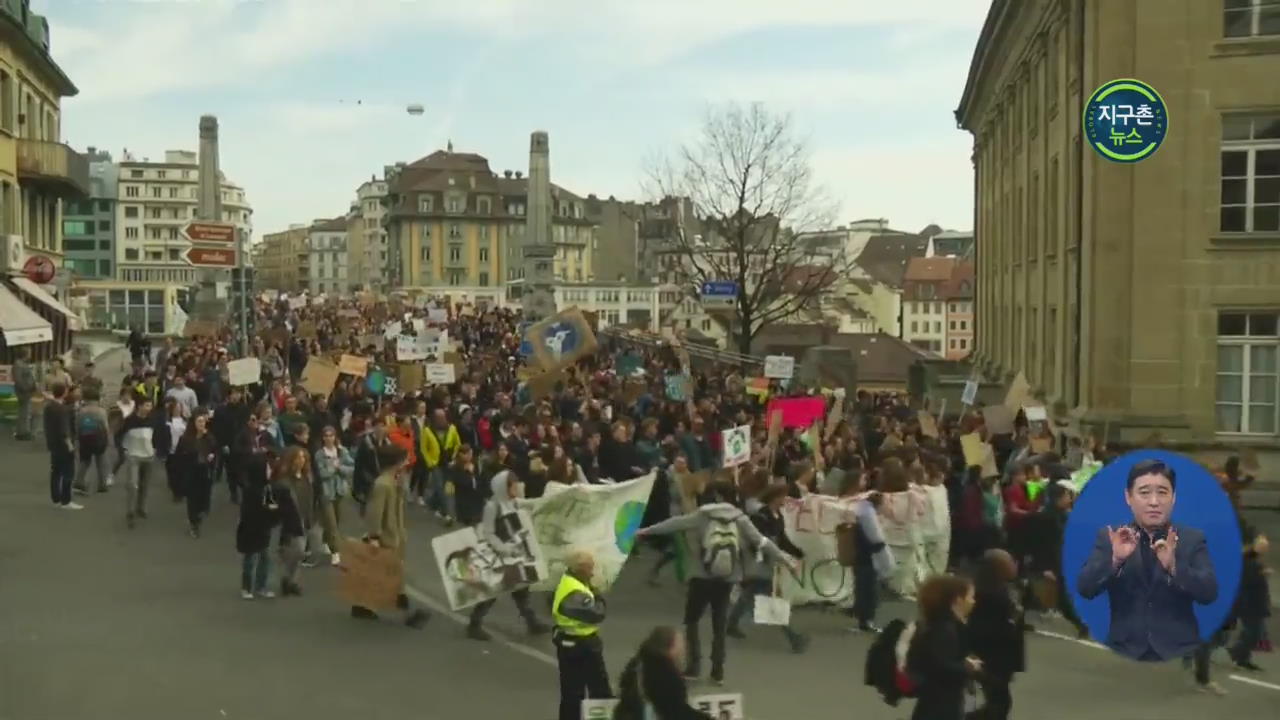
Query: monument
x,y
207,305
538,299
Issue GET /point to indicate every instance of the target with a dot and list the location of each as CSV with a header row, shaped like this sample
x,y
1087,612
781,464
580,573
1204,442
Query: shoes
x,y
266,594
718,681
80,490
402,602
475,632
868,626
310,562
417,619
246,595
360,613
800,645
692,674
1211,688
194,532
735,633
1247,665
288,588
335,559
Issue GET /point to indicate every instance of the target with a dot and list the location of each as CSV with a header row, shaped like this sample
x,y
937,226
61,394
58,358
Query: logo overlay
x,y
561,338
1125,120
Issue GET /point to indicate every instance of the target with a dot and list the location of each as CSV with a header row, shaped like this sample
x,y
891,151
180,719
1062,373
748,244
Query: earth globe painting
x,y
626,523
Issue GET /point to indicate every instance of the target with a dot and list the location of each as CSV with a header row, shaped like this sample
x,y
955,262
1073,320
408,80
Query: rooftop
x,y
934,269
884,258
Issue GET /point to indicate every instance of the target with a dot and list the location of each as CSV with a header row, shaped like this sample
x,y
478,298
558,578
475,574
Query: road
x,y
102,622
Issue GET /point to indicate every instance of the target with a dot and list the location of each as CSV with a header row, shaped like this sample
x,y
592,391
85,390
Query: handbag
x,y
773,609
846,543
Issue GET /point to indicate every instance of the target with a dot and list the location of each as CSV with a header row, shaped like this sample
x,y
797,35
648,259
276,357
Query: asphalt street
x,y
107,623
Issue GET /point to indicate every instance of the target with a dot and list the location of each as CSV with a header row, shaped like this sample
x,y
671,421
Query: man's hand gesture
x,y
1124,542
1165,549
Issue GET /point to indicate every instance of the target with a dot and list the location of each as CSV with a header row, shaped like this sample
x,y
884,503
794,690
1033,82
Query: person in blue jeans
x,y
61,444
259,514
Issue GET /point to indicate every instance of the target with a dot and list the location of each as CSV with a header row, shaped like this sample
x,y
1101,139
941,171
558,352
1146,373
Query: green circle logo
x,y
1125,120
626,523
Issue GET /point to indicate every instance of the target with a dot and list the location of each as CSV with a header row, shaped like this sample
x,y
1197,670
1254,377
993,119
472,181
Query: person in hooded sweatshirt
x,y
499,525
726,536
651,687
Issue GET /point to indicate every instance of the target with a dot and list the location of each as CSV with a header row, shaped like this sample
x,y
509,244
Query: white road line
x,y
1098,646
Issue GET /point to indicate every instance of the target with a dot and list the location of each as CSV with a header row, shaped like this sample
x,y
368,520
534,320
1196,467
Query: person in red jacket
x,y
1018,507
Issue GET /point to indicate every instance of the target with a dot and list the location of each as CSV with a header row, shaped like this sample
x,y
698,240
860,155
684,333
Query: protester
x,y
291,484
136,445
650,687
1253,604
497,527
93,438
939,659
385,525
194,458
334,470
996,633
761,577
60,442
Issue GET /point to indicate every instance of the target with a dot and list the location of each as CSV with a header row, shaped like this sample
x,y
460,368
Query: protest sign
x,y
678,387
319,376
410,377
720,707
441,374
1018,394
245,371
998,419
408,348
781,367
560,340
372,577
353,365
392,330
811,523
306,330
928,426
475,571
737,445
798,412
972,446
601,519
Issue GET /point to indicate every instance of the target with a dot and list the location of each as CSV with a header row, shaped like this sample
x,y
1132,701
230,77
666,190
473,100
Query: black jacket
x,y
469,494
663,689
995,629
228,420
772,527
935,661
253,533
57,426
1254,600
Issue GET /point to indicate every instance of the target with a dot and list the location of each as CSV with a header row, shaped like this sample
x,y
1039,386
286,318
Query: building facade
x,y
327,257
368,236
154,202
1145,296
89,225
457,224
283,260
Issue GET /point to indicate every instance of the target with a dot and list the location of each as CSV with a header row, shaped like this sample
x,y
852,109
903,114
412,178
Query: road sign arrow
x,y
211,257
210,232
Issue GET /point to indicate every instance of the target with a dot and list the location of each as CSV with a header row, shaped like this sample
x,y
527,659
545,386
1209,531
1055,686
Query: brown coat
x,y
384,514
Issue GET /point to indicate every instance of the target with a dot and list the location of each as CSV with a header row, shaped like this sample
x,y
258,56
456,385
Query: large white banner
x,y
811,524
601,519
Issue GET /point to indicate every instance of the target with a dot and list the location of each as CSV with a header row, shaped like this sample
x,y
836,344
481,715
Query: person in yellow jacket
x,y
437,444
578,610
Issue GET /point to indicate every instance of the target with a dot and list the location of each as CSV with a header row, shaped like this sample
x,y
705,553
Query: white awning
x,y
19,323
74,323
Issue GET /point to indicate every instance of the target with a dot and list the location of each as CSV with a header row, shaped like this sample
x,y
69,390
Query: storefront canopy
x,y
19,323
74,323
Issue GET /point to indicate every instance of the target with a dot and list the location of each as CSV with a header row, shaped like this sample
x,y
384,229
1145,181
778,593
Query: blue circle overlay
x,y
1199,502
1125,120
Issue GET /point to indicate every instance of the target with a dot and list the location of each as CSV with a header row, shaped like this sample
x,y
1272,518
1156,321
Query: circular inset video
x,y
1152,555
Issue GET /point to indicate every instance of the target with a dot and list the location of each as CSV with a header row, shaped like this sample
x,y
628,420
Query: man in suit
x,y
1152,571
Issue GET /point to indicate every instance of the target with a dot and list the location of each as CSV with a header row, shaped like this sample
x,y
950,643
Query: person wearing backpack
x,y
726,535
93,436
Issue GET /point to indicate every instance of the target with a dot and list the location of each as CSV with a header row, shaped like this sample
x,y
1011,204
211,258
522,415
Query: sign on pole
x,y
208,257
719,294
781,367
737,445
210,232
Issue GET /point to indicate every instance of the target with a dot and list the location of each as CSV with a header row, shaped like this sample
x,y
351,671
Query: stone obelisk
x,y
538,299
208,306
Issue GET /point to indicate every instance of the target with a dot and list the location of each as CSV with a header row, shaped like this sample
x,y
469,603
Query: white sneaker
x,y
73,506
111,480
335,559
246,595
266,594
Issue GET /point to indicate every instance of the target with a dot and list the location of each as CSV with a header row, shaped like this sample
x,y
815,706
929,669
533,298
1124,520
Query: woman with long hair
x,y
259,513
938,657
194,459
335,470
651,687
174,427
291,483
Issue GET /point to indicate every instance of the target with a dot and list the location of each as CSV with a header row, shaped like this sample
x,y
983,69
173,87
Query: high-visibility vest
x,y
575,628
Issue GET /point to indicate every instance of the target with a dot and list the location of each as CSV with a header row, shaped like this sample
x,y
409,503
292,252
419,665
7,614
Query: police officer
x,y
578,611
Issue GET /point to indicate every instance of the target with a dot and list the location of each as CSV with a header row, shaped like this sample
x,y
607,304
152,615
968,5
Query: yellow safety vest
x,y
575,628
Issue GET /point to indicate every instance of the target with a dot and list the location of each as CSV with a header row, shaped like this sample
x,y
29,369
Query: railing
x,y
696,351
55,163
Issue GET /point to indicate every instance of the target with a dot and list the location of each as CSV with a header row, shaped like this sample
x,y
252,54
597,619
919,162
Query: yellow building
x,y
1145,296
455,223
282,261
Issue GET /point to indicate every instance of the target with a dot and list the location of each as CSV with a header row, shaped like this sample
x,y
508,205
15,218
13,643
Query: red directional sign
x,y
210,232
211,257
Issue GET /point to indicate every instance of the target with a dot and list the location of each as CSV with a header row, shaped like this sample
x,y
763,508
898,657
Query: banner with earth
x,y
601,519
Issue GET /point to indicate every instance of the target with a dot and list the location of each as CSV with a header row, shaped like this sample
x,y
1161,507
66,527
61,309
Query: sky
x,y
311,95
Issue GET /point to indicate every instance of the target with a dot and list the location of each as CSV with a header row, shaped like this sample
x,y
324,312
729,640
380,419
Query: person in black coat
x,y
368,468
1045,530
228,420
652,679
259,514
996,633
195,459
759,580
1253,604
938,658
469,493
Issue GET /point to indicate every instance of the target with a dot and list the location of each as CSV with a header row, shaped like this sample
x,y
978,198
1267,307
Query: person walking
x,y
650,687
996,632
136,444
334,469
938,657
385,525
497,527
578,611
196,458
259,514
60,442
93,437
1253,604
291,483
760,576
24,389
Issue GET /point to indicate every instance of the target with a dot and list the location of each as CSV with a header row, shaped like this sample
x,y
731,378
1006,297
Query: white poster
x,y
441,374
601,519
438,316
419,325
408,349
474,571
245,371
1036,413
781,367
297,303
970,392
719,707
811,524
392,330
737,445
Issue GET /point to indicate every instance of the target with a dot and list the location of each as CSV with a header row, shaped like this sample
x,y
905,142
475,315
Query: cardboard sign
x,y
781,367
1041,444
319,376
306,330
737,445
548,338
371,341
353,365
928,426
1036,413
1018,394
410,377
973,449
544,384
371,577
200,328
998,419
245,371
441,373
989,468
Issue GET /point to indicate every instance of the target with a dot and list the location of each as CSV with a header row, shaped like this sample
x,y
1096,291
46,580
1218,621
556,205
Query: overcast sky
x,y
311,94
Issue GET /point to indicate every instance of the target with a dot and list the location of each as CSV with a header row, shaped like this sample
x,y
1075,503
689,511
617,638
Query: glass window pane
x,y
117,297
155,297
137,297
155,320
1266,162
1266,218
1262,418
1263,325
1269,20
1236,127
1230,388
1232,324
1229,418
1262,389
1232,219
1267,128
1266,191
1235,163
1262,361
1234,192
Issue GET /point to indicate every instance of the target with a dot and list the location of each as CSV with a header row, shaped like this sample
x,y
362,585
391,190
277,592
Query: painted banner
x,y
475,571
798,412
601,519
721,707
811,524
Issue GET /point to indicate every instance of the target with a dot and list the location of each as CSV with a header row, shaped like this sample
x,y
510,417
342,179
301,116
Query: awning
x,y
19,323
74,323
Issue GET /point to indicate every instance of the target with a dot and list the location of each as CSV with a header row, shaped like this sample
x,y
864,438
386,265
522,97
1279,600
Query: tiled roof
x,y
885,257
934,269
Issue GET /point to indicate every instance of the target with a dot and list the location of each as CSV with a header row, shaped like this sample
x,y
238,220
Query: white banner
x,y
245,371
601,519
474,571
781,367
409,349
721,707
811,524
392,330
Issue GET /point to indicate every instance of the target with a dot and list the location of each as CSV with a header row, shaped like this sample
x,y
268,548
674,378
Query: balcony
x,y
53,167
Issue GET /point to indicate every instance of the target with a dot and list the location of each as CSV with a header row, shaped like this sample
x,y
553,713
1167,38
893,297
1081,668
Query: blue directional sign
x,y
719,294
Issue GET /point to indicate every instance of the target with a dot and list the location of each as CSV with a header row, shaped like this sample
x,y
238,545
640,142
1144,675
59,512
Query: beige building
x,y
367,237
1148,294
283,261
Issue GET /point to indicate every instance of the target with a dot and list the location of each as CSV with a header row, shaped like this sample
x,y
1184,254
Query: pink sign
x,y
798,412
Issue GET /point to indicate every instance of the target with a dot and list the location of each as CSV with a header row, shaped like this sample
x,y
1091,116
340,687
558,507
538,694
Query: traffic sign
x,y
719,294
210,232
210,257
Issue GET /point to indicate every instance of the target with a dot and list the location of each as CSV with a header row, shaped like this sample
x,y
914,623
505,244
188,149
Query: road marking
x,y
499,637
1099,646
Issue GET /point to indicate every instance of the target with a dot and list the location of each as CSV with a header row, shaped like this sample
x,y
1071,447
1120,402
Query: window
x,y
135,173
937,326
104,225
453,205
160,174
131,190
104,268
173,254
1250,18
915,326
455,253
484,254
455,231
484,205
155,191
952,325
173,192
6,101
131,211
131,253
154,213
937,308
1033,218
426,203
74,227
1246,388
484,279
78,245
1251,173
951,307
131,233
173,233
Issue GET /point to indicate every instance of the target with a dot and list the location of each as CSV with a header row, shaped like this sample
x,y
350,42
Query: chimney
x,y
519,174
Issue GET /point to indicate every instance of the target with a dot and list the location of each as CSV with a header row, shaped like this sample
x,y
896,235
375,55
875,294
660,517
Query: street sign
x,y
719,294
210,232
210,257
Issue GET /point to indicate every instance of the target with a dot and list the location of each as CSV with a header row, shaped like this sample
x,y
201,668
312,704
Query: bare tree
x,y
752,189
